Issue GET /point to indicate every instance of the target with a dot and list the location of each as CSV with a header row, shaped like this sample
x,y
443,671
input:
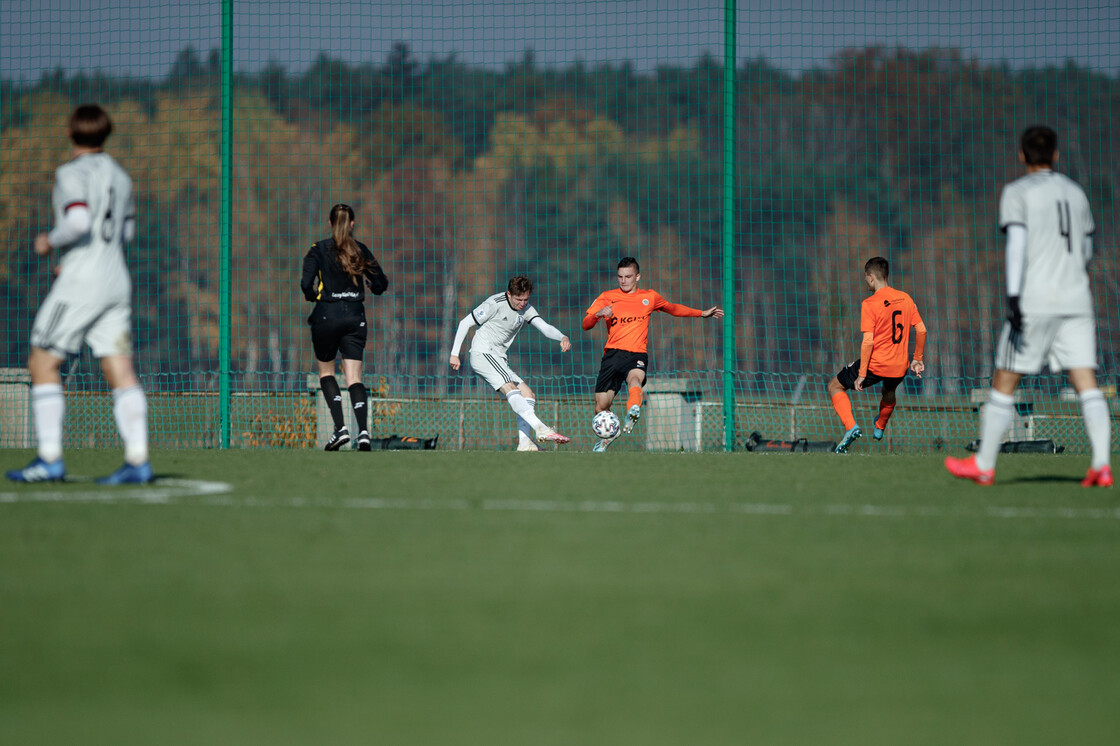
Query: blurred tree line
x,y
462,176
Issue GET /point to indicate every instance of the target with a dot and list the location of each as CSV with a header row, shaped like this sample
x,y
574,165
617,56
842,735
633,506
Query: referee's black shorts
x,y
616,365
336,329
850,372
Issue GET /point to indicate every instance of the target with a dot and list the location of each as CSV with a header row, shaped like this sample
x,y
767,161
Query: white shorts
x,y
62,325
494,369
1065,342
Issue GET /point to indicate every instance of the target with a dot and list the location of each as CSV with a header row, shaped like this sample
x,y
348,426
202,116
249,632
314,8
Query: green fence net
x,y
479,140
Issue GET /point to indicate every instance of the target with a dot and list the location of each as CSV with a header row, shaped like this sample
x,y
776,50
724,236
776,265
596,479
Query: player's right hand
x,y
605,311
454,360
1014,314
42,244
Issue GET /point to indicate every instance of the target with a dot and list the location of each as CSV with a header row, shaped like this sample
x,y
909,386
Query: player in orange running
x,y
627,311
885,320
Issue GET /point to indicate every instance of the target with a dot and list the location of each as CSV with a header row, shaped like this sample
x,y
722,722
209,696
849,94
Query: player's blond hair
x,y
346,248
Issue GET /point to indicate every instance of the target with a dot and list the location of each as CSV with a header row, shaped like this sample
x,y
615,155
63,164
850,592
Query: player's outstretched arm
x,y
551,332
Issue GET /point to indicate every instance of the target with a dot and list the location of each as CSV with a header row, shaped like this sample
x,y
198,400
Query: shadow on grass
x,y
1045,478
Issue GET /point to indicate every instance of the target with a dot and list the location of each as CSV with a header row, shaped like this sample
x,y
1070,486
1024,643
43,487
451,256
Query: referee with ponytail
x,y
334,273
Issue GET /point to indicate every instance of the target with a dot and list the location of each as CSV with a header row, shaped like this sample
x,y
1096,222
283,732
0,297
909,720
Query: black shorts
x,y
850,372
345,335
616,365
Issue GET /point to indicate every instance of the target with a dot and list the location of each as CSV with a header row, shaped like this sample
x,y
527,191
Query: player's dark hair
x,y
629,261
519,285
345,247
878,266
90,126
1038,145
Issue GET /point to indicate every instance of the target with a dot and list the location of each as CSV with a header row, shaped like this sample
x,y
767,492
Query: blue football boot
x,y
851,435
129,474
39,471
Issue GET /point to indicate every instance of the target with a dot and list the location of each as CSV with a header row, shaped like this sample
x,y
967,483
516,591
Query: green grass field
x,y
559,598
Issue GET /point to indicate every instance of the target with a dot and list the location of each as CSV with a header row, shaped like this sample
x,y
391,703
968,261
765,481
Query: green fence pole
x,y
729,351
226,225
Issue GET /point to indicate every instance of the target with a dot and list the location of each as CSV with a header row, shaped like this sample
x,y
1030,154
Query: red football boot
x,y
966,468
1101,477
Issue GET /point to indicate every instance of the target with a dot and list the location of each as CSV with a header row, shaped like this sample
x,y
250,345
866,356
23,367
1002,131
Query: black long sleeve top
x,y
325,281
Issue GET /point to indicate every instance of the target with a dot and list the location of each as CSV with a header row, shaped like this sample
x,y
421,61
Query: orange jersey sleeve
x,y
589,317
628,324
673,309
888,315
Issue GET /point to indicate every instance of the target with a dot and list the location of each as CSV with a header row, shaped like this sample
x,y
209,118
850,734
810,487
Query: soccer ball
x,y
605,424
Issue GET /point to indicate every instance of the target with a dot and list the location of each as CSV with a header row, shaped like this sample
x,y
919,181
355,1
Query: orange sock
x,y
843,406
634,397
885,412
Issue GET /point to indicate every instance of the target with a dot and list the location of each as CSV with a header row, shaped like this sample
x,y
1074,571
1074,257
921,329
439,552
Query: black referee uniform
x,y
338,321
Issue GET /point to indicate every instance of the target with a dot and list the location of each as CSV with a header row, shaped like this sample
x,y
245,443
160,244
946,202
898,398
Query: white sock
x,y
523,409
524,431
130,407
998,415
48,406
1094,410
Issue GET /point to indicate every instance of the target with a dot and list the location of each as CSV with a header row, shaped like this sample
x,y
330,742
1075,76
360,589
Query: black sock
x,y
333,394
358,399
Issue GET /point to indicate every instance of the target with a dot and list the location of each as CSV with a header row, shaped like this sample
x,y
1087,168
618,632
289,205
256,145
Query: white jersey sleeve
x,y
484,311
1012,208
74,225
70,190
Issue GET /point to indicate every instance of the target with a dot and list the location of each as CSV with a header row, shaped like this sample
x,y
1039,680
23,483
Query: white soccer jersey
x,y
1056,214
94,265
498,324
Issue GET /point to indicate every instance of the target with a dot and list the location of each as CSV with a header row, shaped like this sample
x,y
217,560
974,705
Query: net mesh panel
x,y
478,140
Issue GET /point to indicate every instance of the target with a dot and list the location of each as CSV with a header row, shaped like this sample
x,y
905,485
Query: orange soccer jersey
x,y
628,324
888,314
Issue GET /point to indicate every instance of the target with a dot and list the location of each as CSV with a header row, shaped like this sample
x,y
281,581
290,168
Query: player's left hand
x,y
917,367
565,344
42,244
858,385
713,312
454,361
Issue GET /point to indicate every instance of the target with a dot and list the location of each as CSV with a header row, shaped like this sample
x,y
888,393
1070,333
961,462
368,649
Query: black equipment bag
x,y
1022,446
406,443
755,443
